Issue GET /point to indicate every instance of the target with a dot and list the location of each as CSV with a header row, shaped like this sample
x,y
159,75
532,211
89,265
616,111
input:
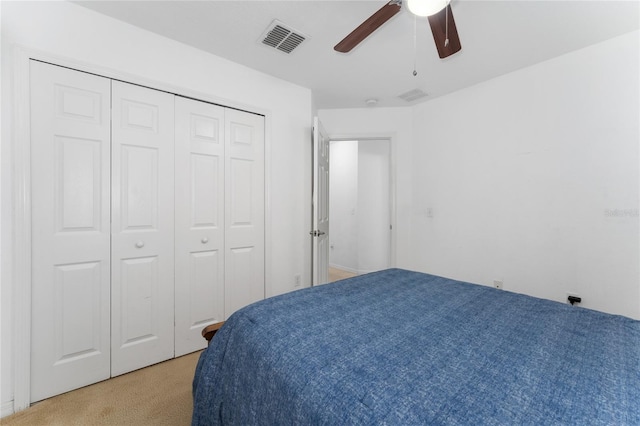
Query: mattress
x,y
398,347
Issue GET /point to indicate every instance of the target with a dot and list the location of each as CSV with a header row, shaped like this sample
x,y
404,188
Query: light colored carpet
x,y
156,395
336,274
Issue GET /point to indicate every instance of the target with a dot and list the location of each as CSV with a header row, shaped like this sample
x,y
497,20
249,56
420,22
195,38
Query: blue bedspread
x,y
406,348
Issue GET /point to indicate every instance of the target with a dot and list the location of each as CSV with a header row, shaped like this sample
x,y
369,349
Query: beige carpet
x,y
336,274
156,395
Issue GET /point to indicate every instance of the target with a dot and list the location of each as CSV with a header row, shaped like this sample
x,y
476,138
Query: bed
x,y
405,348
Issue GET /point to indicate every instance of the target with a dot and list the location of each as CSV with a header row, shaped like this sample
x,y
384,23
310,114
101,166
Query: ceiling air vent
x,y
413,95
281,37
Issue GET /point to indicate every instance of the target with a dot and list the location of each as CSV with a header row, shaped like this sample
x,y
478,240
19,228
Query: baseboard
x,y
7,409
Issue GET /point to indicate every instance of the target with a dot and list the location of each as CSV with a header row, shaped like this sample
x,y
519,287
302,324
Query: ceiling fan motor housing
x,y
426,7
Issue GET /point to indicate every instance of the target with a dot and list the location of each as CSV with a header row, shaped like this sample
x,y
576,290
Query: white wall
x,y
532,178
77,34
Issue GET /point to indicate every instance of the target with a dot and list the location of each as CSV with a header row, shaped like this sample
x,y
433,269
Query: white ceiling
x,y
497,37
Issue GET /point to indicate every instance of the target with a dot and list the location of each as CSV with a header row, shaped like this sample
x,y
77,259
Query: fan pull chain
x,y
415,46
446,26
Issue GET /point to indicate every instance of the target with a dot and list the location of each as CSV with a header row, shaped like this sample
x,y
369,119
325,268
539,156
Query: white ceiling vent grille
x,y
413,95
281,37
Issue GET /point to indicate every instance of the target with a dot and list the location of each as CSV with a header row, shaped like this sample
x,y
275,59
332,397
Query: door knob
x,y
140,244
204,240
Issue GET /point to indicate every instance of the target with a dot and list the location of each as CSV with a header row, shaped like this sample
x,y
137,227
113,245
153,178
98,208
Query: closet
x,y
147,224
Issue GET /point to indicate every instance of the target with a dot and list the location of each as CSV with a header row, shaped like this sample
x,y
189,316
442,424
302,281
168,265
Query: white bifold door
x,y
142,230
244,211
219,154
70,196
199,250
147,224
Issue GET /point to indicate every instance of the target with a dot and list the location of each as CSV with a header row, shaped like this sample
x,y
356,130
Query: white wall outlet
x,y
297,280
497,284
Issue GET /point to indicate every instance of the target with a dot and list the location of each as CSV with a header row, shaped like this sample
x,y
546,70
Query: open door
x,y
320,232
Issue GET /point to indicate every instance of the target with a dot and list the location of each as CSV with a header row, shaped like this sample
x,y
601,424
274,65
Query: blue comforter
x,y
406,348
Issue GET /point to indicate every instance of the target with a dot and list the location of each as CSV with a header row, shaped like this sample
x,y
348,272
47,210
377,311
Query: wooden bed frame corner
x,y
209,331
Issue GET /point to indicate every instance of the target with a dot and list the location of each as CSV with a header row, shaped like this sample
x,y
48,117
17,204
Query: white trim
x,y
6,409
21,174
268,284
135,79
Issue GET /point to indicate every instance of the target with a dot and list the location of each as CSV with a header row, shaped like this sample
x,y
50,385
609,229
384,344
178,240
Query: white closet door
x,y
70,135
142,227
199,157
244,209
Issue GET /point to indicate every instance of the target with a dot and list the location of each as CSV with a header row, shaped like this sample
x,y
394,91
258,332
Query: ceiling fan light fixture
x,y
426,7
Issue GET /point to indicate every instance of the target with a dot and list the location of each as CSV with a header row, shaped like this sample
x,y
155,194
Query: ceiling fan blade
x,y
440,29
385,13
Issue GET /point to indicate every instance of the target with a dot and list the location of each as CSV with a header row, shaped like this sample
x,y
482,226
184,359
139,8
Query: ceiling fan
x,y
440,17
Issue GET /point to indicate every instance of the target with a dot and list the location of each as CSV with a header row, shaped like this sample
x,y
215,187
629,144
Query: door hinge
x,y
316,233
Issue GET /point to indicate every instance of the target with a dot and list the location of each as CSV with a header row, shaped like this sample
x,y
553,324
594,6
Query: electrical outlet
x,y
497,284
566,299
297,279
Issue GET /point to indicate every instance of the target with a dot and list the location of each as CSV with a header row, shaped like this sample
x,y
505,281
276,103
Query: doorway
x,y
360,207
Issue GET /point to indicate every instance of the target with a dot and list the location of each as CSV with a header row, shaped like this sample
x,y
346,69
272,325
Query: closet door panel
x,y
142,227
199,285
244,209
70,135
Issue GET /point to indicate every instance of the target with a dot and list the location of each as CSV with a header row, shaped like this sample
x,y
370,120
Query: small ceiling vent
x,y
281,37
413,95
